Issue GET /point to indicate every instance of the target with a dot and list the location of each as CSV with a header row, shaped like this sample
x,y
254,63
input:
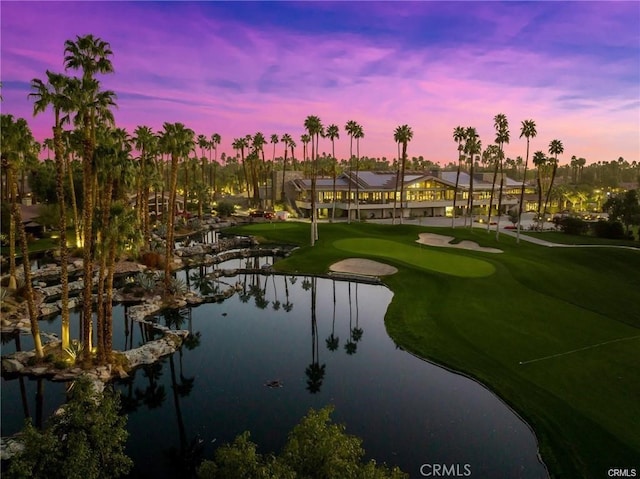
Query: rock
x,y
9,447
11,365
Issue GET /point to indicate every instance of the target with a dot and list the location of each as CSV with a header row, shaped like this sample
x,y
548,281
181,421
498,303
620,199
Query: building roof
x,y
386,180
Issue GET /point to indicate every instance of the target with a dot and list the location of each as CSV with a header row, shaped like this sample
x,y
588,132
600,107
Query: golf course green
x,y
555,332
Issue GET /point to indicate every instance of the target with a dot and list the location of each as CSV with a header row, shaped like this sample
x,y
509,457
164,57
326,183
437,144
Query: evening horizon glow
x,y
237,68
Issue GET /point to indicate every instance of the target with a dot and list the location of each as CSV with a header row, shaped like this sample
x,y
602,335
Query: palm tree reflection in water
x,y
315,372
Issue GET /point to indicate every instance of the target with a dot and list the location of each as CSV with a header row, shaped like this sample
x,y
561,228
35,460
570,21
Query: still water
x,y
324,342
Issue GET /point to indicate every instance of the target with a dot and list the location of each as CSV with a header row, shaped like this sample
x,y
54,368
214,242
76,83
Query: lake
x,y
324,342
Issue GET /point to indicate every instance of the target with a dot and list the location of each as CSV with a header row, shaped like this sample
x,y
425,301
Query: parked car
x,y
268,215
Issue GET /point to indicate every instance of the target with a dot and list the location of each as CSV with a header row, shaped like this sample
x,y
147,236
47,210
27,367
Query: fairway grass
x,y
419,257
553,331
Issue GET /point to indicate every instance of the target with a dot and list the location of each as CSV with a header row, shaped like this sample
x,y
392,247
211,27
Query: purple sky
x,y
236,68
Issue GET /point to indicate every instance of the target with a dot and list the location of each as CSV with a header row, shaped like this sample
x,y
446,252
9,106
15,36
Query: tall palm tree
x,y
458,137
203,144
92,56
215,141
314,127
502,136
56,93
69,139
540,162
490,158
396,138
472,147
274,141
333,132
555,148
528,130
178,142
146,142
358,134
403,135
258,172
350,127
286,140
17,142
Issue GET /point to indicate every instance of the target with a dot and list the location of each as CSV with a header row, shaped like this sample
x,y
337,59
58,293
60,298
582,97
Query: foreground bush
x,y
316,449
85,441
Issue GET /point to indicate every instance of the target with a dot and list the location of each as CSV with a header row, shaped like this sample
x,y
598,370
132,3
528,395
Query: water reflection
x,y
214,387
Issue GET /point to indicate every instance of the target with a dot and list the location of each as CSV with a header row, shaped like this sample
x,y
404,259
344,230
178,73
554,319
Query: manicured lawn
x,y
562,238
554,331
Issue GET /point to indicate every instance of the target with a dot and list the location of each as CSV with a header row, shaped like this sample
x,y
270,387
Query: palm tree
x,y
502,136
528,130
540,162
91,55
286,140
314,126
56,93
69,140
17,142
472,147
333,341
490,158
274,141
555,148
333,132
350,127
458,137
257,173
203,144
358,134
403,135
147,144
215,141
305,139
178,142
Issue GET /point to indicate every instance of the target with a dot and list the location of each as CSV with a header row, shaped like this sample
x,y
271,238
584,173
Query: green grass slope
x,y
555,332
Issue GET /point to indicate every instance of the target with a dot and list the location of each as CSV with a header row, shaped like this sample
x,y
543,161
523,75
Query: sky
x,y
236,68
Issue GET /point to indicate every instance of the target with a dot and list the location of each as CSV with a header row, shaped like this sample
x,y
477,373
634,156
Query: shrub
x,y
225,208
150,259
573,226
609,229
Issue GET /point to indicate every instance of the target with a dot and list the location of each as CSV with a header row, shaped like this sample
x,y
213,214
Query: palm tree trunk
x,y
87,254
108,323
170,222
499,212
404,161
395,191
553,177
64,252
31,304
12,230
471,171
284,169
493,187
521,205
333,157
102,274
455,194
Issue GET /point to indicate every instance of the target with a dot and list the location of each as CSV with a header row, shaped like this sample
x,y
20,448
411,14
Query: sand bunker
x,y
442,241
363,266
